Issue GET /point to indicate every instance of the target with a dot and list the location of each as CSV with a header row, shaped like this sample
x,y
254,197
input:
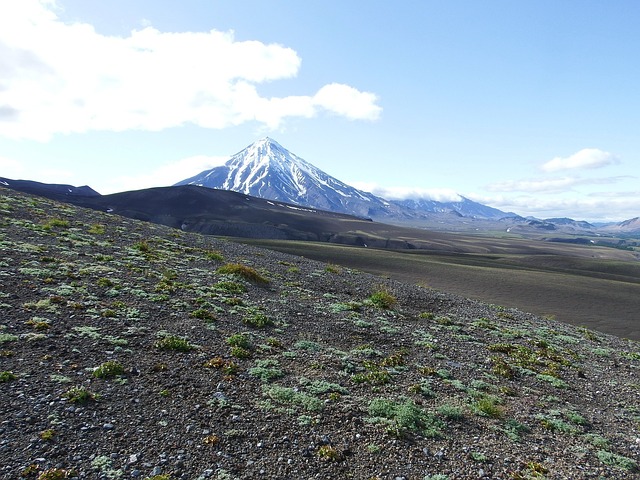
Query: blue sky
x,y
527,106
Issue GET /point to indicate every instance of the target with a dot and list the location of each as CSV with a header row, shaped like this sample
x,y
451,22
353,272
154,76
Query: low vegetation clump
x,y
56,474
7,376
383,299
266,370
234,288
173,342
616,460
290,397
226,366
241,340
108,369
48,434
54,223
248,273
256,319
404,416
79,394
214,255
488,405
328,453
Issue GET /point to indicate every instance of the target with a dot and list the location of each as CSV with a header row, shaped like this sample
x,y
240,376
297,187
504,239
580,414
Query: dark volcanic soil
x,y
219,360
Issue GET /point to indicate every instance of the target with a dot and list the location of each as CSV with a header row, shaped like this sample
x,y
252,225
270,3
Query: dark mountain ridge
x,y
48,189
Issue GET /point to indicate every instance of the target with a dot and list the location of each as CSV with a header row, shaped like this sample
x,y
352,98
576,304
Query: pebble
x,y
108,426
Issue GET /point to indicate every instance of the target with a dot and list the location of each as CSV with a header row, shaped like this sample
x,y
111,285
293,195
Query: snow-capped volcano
x,y
265,169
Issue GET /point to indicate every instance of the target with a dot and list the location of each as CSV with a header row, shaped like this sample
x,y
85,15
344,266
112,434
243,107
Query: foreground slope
x,y
131,350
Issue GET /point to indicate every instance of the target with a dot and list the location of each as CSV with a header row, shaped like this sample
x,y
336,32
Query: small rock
x,y
108,426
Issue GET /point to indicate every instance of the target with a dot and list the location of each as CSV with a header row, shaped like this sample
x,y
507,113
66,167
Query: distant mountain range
x,y
293,194
266,169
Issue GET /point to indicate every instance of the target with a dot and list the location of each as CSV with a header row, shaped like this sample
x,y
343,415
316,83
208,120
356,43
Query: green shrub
x,y
514,429
291,397
404,416
555,424
330,268
7,337
108,369
307,345
240,352
229,287
266,370
214,255
243,271
48,434
7,376
450,412
487,406
319,387
423,388
97,229
383,299
79,394
257,319
328,453
203,314
142,246
615,460
56,223
173,342
56,474
241,340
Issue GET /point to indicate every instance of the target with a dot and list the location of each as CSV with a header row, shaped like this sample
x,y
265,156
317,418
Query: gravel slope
x,y
223,361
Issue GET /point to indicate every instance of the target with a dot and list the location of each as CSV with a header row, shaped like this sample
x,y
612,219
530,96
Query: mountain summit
x,y
268,170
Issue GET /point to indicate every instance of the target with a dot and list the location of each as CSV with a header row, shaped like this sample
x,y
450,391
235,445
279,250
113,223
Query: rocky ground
x,y
131,350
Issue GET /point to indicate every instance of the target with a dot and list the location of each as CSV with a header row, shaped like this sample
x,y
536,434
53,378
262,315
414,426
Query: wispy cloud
x,y
597,207
10,168
550,185
164,175
587,158
66,78
403,193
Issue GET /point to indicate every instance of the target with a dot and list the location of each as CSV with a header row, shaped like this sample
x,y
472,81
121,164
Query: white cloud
x,y
67,78
403,193
10,168
593,207
537,185
347,101
165,175
585,158
550,185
